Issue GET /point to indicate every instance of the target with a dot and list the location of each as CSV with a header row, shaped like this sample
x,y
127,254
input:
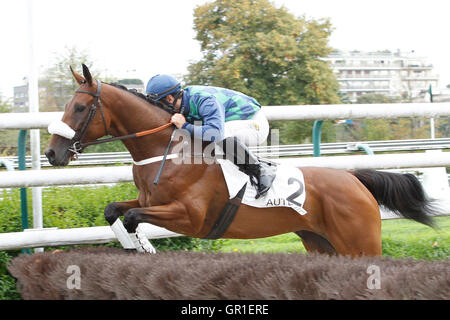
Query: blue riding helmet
x,y
162,85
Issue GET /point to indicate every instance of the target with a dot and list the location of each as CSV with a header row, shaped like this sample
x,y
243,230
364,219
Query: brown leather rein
x,y
130,136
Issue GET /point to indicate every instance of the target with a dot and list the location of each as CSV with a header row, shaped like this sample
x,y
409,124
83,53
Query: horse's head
x,y
84,120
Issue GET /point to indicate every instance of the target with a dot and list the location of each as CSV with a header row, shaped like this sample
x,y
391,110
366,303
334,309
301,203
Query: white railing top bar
x,y
35,238
116,174
357,111
300,112
26,120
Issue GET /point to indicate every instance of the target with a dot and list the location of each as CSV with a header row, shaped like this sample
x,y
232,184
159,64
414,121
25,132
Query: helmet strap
x,y
176,97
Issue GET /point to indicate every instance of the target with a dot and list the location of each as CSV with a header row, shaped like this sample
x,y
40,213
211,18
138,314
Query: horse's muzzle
x,y
51,156
59,155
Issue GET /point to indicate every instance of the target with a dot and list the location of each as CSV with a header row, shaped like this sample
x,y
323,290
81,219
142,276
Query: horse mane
x,y
144,97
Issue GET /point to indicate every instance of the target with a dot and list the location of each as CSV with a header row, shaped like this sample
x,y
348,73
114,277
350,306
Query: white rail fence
x,y
98,175
271,151
303,112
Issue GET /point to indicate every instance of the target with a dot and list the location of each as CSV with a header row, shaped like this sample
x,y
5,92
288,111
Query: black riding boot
x,y
261,174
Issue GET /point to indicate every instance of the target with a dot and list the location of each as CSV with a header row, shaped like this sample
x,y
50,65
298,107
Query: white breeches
x,y
251,132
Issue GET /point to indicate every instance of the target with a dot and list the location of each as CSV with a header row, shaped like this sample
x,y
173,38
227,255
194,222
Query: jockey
x,y
222,116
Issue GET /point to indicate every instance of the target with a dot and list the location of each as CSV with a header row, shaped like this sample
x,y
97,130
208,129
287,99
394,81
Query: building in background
x,y
59,92
396,74
20,99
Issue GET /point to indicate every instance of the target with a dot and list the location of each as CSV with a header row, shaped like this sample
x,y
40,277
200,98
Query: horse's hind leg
x,y
316,243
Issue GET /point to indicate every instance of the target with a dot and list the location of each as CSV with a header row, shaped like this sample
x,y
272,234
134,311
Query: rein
x,y
130,136
78,146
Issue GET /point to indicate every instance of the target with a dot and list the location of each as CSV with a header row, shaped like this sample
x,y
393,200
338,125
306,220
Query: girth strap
x,y
226,216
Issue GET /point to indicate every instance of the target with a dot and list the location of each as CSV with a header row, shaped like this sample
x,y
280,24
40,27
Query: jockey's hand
x,y
178,120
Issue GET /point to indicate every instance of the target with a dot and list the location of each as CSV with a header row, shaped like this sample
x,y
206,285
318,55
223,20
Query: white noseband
x,y
61,129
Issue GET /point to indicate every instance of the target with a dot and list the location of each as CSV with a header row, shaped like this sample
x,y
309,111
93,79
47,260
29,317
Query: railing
x,y
32,178
276,151
300,112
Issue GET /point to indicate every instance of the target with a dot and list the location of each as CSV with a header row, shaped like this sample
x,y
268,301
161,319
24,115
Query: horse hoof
x,y
112,212
130,221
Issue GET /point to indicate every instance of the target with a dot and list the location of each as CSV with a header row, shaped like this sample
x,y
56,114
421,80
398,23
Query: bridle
x,y
77,145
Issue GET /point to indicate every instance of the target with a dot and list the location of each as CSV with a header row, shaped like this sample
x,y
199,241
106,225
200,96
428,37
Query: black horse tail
x,y
401,193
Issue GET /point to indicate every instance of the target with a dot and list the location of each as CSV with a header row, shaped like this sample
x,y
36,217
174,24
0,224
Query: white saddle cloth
x,y
287,190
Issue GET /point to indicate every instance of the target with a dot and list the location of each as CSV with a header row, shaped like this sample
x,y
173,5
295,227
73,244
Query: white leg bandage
x,y
137,240
141,242
122,234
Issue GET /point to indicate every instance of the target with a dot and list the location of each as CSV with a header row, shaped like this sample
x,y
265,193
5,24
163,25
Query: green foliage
x,y
74,207
404,238
8,138
5,104
267,53
401,238
263,51
376,98
70,207
8,290
115,146
294,132
442,127
388,129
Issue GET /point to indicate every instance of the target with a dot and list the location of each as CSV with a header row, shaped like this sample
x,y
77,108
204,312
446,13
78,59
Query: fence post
x,y
8,165
364,147
22,150
432,133
317,132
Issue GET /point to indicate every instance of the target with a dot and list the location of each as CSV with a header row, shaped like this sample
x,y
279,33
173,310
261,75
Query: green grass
x,y
401,238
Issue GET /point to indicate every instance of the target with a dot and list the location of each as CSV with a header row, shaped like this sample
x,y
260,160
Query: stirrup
x,y
262,192
269,177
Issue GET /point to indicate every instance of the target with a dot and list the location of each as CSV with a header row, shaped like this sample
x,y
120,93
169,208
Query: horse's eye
x,y
79,108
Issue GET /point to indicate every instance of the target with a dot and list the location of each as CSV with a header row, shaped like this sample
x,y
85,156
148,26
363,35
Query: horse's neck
x,y
131,114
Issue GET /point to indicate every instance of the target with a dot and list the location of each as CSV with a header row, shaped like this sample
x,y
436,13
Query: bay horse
x,y
343,215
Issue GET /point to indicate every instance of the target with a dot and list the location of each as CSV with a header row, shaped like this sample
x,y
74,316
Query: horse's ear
x,y
87,74
79,79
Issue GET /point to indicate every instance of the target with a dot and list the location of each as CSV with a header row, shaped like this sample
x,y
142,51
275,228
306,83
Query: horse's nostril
x,y
50,154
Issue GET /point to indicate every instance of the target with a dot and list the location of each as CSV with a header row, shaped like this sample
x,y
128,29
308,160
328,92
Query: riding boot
x,y
261,174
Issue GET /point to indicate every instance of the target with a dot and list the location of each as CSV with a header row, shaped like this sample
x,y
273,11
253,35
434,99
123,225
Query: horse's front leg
x,y
172,216
116,209
128,240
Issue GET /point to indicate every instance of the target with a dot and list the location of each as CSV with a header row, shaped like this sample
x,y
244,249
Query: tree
x,y
8,138
376,98
57,84
266,52
395,129
5,105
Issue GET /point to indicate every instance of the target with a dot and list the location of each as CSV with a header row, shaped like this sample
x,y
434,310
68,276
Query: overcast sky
x,y
139,38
